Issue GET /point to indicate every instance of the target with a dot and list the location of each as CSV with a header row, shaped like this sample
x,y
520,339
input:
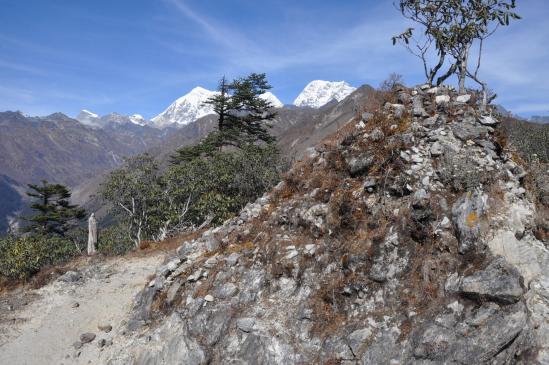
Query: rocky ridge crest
x,y
405,238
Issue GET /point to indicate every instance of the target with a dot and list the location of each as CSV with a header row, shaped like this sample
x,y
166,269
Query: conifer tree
x,y
54,213
242,115
250,113
221,102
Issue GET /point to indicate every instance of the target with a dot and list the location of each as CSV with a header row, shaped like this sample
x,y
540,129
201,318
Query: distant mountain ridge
x,y
192,106
63,150
95,121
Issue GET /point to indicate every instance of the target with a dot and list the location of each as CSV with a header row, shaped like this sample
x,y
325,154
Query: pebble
x,y
104,328
291,254
209,298
87,337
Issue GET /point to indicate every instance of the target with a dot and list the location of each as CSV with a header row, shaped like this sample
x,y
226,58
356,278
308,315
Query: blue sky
x,y
137,56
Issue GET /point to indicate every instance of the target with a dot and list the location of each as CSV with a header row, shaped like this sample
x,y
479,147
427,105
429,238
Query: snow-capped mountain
x,y
88,118
191,107
186,109
137,119
275,102
93,120
318,93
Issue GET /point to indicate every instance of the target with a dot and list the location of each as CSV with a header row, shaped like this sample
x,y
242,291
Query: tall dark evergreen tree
x,y
54,213
242,115
221,102
250,113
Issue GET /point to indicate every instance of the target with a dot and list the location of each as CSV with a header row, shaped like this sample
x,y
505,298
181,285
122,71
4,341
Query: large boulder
x,y
484,335
466,214
360,164
499,282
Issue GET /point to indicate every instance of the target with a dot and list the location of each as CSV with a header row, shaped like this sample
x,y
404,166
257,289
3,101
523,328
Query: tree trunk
x,y
463,70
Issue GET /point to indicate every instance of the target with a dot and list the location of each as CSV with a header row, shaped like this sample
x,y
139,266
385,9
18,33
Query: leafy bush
x,y
219,185
24,256
114,240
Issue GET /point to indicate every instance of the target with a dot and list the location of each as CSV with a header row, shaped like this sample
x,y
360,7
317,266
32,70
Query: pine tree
x,y
54,213
242,117
221,102
250,113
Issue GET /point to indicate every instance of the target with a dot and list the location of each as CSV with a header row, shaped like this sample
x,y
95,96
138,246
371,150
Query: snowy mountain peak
x,y
93,120
270,97
88,118
186,109
191,107
318,93
137,119
88,113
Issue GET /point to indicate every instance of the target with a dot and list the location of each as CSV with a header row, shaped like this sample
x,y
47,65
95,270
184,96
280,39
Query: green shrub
x,y
114,240
24,256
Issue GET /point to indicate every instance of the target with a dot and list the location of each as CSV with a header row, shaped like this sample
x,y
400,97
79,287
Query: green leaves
x,y
54,213
22,257
242,113
453,26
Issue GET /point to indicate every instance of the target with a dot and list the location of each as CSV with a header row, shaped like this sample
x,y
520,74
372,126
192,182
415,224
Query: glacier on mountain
x,y
319,93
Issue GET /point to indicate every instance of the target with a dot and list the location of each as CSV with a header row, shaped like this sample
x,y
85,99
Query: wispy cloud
x,y
21,68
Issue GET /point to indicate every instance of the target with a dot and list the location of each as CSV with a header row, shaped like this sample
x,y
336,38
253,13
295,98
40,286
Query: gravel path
x,y
45,328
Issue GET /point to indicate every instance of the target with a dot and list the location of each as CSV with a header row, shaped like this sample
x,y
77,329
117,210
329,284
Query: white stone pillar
x,y
92,234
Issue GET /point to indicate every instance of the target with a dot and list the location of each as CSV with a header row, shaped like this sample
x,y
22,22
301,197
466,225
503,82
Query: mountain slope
x,y
404,239
318,93
63,150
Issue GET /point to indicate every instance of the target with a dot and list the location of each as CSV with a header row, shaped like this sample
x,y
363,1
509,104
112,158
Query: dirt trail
x,y
44,330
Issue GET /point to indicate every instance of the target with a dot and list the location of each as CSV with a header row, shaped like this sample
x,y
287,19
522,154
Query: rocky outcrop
x,y
394,243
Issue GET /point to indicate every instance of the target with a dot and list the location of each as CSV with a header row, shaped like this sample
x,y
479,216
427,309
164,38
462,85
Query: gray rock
x,y
463,98
499,282
357,338
232,259
436,149
369,184
172,345
430,122
172,292
488,120
377,135
466,214
418,109
104,328
87,337
467,131
70,277
477,339
398,110
442,99
209,298
404,98
420,199
77,345
361,164
245,324
142,309
367,116
228,290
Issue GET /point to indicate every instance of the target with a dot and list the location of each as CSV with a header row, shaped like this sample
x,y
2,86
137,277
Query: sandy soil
x,y
40,326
